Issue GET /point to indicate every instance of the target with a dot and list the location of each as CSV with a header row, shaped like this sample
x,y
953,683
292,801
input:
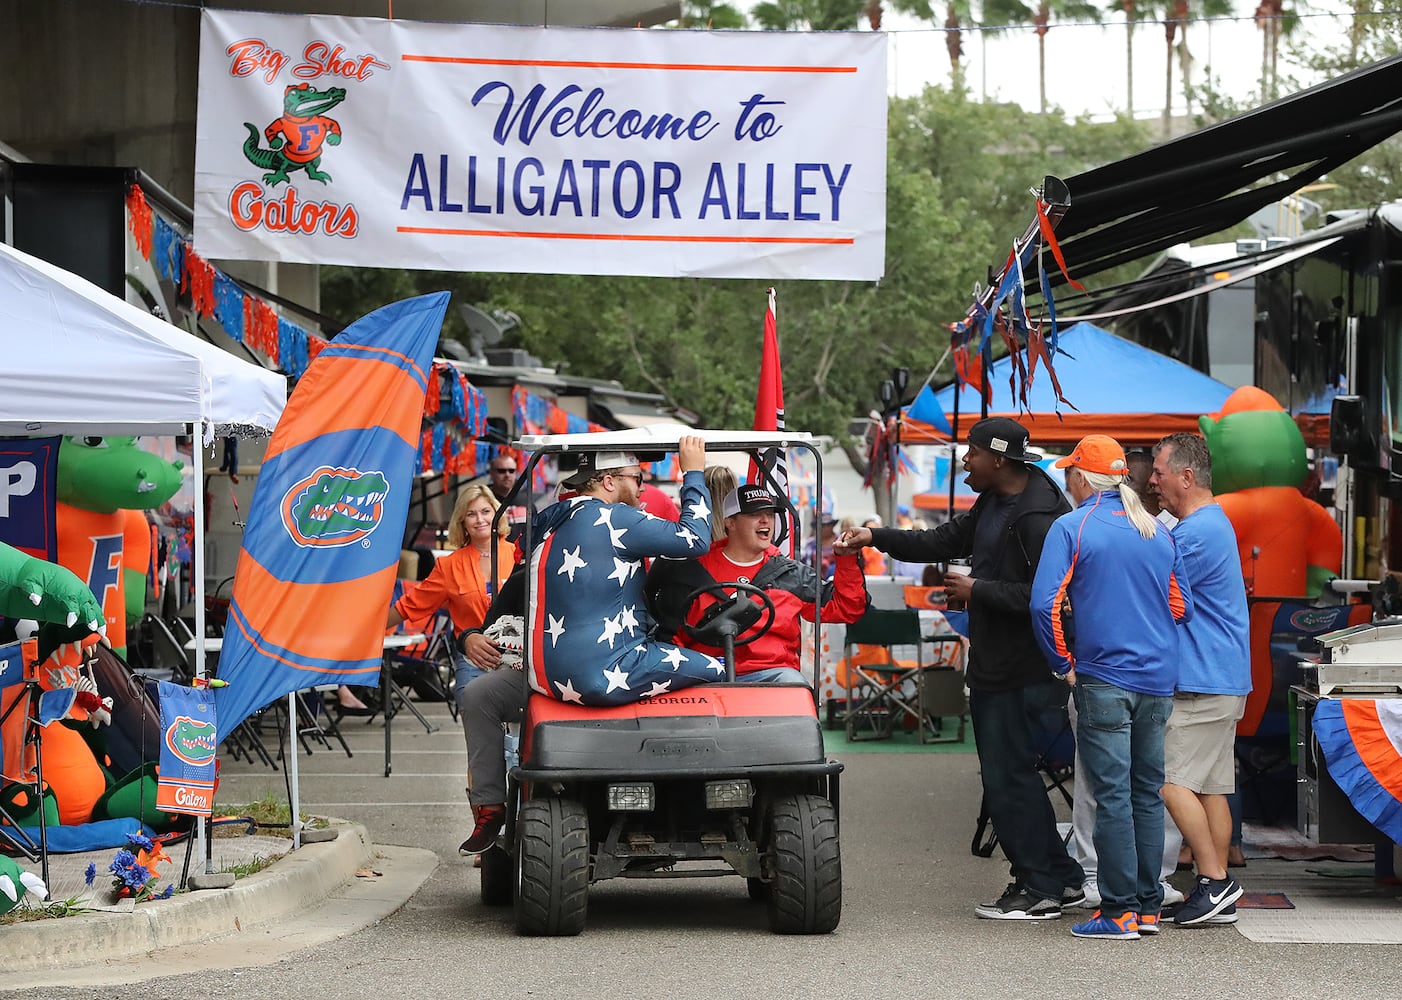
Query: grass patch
x,y
253,866
29,911
270,811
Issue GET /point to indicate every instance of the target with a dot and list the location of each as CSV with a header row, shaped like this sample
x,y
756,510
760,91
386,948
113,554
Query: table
x,y
392,697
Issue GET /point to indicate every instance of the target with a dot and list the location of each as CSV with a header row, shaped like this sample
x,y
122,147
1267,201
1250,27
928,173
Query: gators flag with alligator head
x,y
321,548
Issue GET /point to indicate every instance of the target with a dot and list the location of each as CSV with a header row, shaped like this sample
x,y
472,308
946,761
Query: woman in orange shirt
x,y
462,580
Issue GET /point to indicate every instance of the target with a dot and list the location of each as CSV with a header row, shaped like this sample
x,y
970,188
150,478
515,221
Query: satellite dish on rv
x,y
486,329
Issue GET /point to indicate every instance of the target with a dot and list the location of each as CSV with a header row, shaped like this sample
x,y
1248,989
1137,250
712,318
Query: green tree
x,y
719,16
1134,12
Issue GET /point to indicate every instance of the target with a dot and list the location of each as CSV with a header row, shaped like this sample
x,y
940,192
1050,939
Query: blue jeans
x,y
1009,731
1120,737
773,675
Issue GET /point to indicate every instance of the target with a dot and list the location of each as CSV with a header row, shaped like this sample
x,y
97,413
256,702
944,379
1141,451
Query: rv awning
x,y
1204,182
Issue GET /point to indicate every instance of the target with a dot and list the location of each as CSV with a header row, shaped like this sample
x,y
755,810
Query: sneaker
x,y
1227,916
1148,924
1125,927
1209,898
1073,895
490,820
1019,904
1091,893
1171,896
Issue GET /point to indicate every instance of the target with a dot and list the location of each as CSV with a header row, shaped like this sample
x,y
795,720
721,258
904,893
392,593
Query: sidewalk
x,y
289,887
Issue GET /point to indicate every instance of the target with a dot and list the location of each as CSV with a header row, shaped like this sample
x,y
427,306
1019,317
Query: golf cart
x,y
723,778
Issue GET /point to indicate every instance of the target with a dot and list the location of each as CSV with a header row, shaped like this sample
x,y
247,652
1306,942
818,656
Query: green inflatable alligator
x,y
298,137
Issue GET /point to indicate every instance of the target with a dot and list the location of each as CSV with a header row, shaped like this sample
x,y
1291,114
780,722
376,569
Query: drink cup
x,y
956,567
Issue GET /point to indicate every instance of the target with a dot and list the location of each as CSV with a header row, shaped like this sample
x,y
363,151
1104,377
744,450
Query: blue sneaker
x,y
1149,924
1125,927
1208,899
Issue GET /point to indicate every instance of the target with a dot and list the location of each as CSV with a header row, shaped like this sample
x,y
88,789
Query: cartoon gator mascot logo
x,y
334,506
191,740
299,136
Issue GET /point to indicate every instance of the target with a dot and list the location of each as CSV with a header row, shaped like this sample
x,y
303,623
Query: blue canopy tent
x,y
1118,388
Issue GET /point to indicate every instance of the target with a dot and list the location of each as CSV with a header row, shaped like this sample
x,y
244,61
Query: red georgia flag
x,y
769,412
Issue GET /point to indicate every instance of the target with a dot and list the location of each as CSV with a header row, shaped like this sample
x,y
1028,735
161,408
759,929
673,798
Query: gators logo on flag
x,y
315,574
191,740
334,506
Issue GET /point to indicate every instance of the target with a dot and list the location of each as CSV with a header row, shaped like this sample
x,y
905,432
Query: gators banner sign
x,y
188,738
384,143
321,549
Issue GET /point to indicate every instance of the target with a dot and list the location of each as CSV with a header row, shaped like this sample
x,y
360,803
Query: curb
x,y
300,879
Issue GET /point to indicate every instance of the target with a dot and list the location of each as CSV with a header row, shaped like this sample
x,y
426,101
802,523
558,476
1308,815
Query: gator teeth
x,y
72,617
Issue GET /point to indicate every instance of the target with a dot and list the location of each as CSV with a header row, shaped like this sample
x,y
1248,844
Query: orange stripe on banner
x,y
1373,746
374,386
324,621
601,64
627,237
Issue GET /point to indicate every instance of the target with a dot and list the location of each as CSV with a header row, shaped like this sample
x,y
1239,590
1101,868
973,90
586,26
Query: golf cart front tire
x,y
805,896
552,868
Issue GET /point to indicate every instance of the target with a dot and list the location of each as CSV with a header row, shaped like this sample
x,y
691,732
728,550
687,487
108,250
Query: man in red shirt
x,y
747,554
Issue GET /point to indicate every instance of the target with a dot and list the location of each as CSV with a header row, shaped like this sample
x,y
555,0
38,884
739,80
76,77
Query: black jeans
x,y
1009,731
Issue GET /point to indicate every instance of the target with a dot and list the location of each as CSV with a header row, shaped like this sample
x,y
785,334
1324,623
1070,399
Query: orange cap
x,y
1097,453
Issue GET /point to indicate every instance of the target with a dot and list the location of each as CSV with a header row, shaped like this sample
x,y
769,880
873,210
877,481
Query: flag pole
x,y
292,770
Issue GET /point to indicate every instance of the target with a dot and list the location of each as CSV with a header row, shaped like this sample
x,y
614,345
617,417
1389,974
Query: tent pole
x,y
197,453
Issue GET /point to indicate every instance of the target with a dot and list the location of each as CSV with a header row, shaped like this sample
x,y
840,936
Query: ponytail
x,y
1143,521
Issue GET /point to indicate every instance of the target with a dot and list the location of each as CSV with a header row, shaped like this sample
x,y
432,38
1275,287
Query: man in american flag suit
x,y
590,627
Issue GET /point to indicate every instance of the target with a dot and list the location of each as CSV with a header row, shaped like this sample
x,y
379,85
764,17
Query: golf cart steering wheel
x,y
731,615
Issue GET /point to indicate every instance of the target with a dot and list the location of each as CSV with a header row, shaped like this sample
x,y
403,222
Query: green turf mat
x,y
836,743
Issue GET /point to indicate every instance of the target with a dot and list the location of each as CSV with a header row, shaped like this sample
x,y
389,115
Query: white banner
x,y
380,143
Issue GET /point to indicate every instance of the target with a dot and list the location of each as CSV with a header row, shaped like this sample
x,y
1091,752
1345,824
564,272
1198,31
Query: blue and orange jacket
x,y
1127,595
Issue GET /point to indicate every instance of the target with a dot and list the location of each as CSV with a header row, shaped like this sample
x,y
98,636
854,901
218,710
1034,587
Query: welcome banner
x,y
381,143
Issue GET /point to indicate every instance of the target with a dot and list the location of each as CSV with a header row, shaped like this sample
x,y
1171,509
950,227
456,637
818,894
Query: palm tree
x,y
1065,10
815,15
1275,23
1133,13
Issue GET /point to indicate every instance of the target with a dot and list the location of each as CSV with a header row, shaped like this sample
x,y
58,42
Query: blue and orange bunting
x,y
321,549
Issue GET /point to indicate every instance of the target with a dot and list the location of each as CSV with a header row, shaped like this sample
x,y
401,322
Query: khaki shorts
x,y
1199,742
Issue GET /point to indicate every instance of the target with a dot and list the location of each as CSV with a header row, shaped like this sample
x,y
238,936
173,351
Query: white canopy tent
x,y
79,360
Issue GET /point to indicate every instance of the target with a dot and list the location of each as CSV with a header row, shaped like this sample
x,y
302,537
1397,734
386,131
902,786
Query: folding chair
x,y
882,693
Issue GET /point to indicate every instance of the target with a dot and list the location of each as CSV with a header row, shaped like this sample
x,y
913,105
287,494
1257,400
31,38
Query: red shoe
x,y
490,820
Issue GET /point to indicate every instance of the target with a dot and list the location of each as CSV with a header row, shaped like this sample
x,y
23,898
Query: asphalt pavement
x,y
910,884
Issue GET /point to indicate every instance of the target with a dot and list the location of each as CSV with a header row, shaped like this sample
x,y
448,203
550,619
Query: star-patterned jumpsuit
x,y
590,630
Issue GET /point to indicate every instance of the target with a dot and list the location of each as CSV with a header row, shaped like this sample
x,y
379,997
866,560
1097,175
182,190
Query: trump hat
x,y
748,499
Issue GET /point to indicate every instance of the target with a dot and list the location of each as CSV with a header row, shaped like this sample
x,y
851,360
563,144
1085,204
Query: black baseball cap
x,y
1003,436
748,499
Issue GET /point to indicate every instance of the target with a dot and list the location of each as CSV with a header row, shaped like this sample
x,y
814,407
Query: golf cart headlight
x,y
639,796
733,794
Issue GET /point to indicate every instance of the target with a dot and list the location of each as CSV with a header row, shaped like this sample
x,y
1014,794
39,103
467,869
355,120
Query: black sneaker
x,y
490,820
1019,904
1226,916
1209,898
1073,895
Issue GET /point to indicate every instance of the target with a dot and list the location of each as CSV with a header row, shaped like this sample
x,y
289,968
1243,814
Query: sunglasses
x,y
500,472
637,477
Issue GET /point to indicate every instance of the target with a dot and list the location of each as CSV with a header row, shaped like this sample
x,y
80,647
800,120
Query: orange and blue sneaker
x,y
1125,927
1148,924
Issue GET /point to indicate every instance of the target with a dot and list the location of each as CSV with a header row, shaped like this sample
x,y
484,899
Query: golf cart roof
x,y
662,437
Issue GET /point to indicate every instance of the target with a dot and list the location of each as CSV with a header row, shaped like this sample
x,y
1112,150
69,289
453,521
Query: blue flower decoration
x,y
90,874
140,840
169,891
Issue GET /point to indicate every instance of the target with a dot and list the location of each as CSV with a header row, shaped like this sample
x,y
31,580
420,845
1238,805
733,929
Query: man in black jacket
x,y
1010,687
